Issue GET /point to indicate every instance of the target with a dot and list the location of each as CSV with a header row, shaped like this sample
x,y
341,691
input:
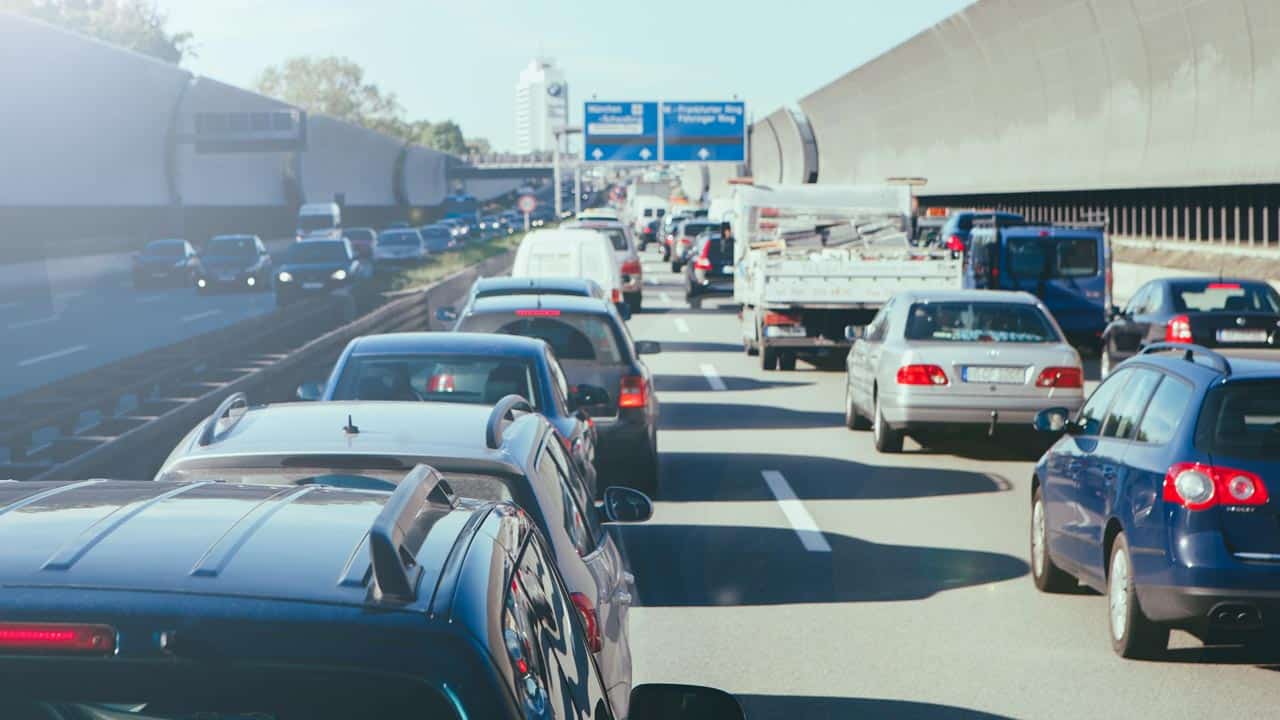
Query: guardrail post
x,y
1266,226
1222,226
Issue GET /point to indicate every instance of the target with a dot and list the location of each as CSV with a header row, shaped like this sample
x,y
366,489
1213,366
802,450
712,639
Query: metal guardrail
x,y
146,400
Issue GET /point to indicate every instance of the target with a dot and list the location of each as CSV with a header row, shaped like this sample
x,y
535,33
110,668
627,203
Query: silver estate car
x,y
980,359
625,252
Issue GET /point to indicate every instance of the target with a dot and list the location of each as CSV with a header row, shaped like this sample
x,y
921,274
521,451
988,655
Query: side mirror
x,y
626,505
683,702
582,396
310,391
1116,312
1055,420
648,347
447,314
853,333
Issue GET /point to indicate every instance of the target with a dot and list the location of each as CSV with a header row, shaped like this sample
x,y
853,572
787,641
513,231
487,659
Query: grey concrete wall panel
x,y
343,158
693,180
1043,95
83,124
229,179
426,180
765,152
486,189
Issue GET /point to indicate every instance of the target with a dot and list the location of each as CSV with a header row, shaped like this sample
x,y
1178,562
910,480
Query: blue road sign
x,y
704,132
620,132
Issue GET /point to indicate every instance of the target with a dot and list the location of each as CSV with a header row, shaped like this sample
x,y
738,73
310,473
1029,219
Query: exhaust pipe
x,y
1235,615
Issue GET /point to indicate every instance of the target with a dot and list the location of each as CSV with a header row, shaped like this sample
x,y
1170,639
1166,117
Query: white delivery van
x,y
319,221
576,253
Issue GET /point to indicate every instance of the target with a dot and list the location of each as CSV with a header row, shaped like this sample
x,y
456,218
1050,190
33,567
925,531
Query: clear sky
x,y
460,59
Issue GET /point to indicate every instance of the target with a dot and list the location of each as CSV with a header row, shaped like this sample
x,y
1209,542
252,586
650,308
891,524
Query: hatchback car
x,y
234,262
710,275
501,286
500,452
681,240
315,267
1159,495
1214,312
399,247
438,237
601,361
165,262
940,360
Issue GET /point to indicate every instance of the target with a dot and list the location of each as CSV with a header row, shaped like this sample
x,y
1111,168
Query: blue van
x,y
1067,267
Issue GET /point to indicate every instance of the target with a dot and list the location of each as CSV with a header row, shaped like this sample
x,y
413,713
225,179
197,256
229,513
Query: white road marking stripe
x,y
682,326
200,316
801,521
664,297
713,377
33,323
53,355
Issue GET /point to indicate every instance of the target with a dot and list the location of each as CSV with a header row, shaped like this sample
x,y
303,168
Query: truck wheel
x,y
887,439
787,362
768,359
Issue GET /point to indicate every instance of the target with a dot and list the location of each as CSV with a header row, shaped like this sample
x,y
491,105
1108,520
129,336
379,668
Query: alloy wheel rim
x,y
1118,596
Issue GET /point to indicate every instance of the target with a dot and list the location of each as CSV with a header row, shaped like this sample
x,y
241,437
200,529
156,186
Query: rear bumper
x,y
1209,609
905,411
707,288
623,439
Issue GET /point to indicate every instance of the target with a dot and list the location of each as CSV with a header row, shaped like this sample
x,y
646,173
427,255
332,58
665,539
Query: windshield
x,y
1241,420
978,322
315,223
401,239
572,336
231,247
172,250
1036,258
1225,297
439,378
320,253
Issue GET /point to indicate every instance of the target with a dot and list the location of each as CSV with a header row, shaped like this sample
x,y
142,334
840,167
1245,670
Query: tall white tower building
x,y
542,104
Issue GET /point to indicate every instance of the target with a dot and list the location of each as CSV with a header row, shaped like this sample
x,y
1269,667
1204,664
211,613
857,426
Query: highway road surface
x,y
792,565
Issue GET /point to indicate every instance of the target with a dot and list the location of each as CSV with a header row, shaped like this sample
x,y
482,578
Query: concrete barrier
x,y
783,149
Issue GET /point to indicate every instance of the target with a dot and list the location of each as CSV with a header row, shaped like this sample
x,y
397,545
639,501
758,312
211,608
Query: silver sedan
x,y
980,359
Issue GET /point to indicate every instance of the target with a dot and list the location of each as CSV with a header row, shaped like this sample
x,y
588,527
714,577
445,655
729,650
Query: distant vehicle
x,y
571,253
438,237
399,246
956,229
964,359
319,221
464,368
929,227
316,267
682,237
491,226
710,274
598,214
500,451
234,262
649,232
1223,313
595,349
646,208
625,252
362,240
541,216
1067,267
1158,495
165,262
457,229
461,206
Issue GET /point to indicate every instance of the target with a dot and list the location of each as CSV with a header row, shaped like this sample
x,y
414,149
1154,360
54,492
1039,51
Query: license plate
x,y
227,277
994,375
1242,336
727,269
312,286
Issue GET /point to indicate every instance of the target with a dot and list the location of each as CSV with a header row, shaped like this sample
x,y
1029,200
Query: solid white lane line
x,y
200,315
53,355
713,377
801,521
664,297
682,326
33,323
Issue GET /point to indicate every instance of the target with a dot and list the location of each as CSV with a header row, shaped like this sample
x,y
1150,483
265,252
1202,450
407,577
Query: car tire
x,y
750,349
1104,363
645,477
852,418
768,359
1046,575
1133,635
695,302
887,440
787,362
634,302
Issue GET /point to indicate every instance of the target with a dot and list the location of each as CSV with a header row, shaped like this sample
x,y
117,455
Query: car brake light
x,y
1224,286
631,267
777,318
1196,486
633,392
1178,330
769,212
62,638
590,623
955,243
537,312
703,262
441,383
616,295
1061,377
922,375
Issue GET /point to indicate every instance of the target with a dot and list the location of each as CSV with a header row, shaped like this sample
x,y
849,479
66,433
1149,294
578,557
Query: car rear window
x,y
979,322
1241,419
573,336
1035,258
438,378
1225,297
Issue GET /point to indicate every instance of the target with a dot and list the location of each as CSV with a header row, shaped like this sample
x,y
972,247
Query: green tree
x,y
333,86
136,25
479,146
447,137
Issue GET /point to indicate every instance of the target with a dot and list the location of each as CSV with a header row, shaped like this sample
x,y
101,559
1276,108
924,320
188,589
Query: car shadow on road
x,y
723,566
699,383
725,416
725,477
669,346
1025,446
798,707
1265,656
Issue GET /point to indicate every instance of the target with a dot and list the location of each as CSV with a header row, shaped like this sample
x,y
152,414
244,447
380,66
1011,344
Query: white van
x,y
319,221
646,208
571,253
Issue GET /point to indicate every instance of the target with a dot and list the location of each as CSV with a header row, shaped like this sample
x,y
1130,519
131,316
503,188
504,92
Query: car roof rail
x,y
210,434
503,414
399,530
1191,353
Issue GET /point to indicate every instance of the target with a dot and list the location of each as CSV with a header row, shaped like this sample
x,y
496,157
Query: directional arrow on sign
x,y
597,153
645,154
704,153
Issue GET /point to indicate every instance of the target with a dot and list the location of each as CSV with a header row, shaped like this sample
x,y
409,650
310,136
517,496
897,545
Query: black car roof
x,y
564,303
459,343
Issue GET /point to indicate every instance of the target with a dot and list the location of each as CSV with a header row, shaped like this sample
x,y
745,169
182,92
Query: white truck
x,y
813,263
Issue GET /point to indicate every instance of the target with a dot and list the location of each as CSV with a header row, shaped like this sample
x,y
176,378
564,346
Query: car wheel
x,y
787,362
887,439
1132,634
1047,576
750,349
1104,363
768,359
695,302
852,418
634,301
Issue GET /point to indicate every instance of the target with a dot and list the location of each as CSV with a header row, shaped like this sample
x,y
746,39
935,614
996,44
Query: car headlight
x,y
339,274
284,276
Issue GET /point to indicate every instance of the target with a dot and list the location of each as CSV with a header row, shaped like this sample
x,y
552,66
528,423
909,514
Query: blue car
x,y
1157,495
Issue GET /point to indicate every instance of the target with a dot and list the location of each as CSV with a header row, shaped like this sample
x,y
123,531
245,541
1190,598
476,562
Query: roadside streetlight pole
x,y
559,133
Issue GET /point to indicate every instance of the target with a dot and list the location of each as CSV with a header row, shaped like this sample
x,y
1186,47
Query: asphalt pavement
x,y
792,565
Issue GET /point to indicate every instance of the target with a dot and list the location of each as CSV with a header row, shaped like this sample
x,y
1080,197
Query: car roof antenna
x,y
351,428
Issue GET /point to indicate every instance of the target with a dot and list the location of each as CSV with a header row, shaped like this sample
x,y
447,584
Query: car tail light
x,y
684,240
441,384
703,262
590,623
768,225
631,267
769,212
1224,286
537,312
1196,486
1061,377
777,318
1178,330
633,392
57,638
922,375
955,243
616,295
